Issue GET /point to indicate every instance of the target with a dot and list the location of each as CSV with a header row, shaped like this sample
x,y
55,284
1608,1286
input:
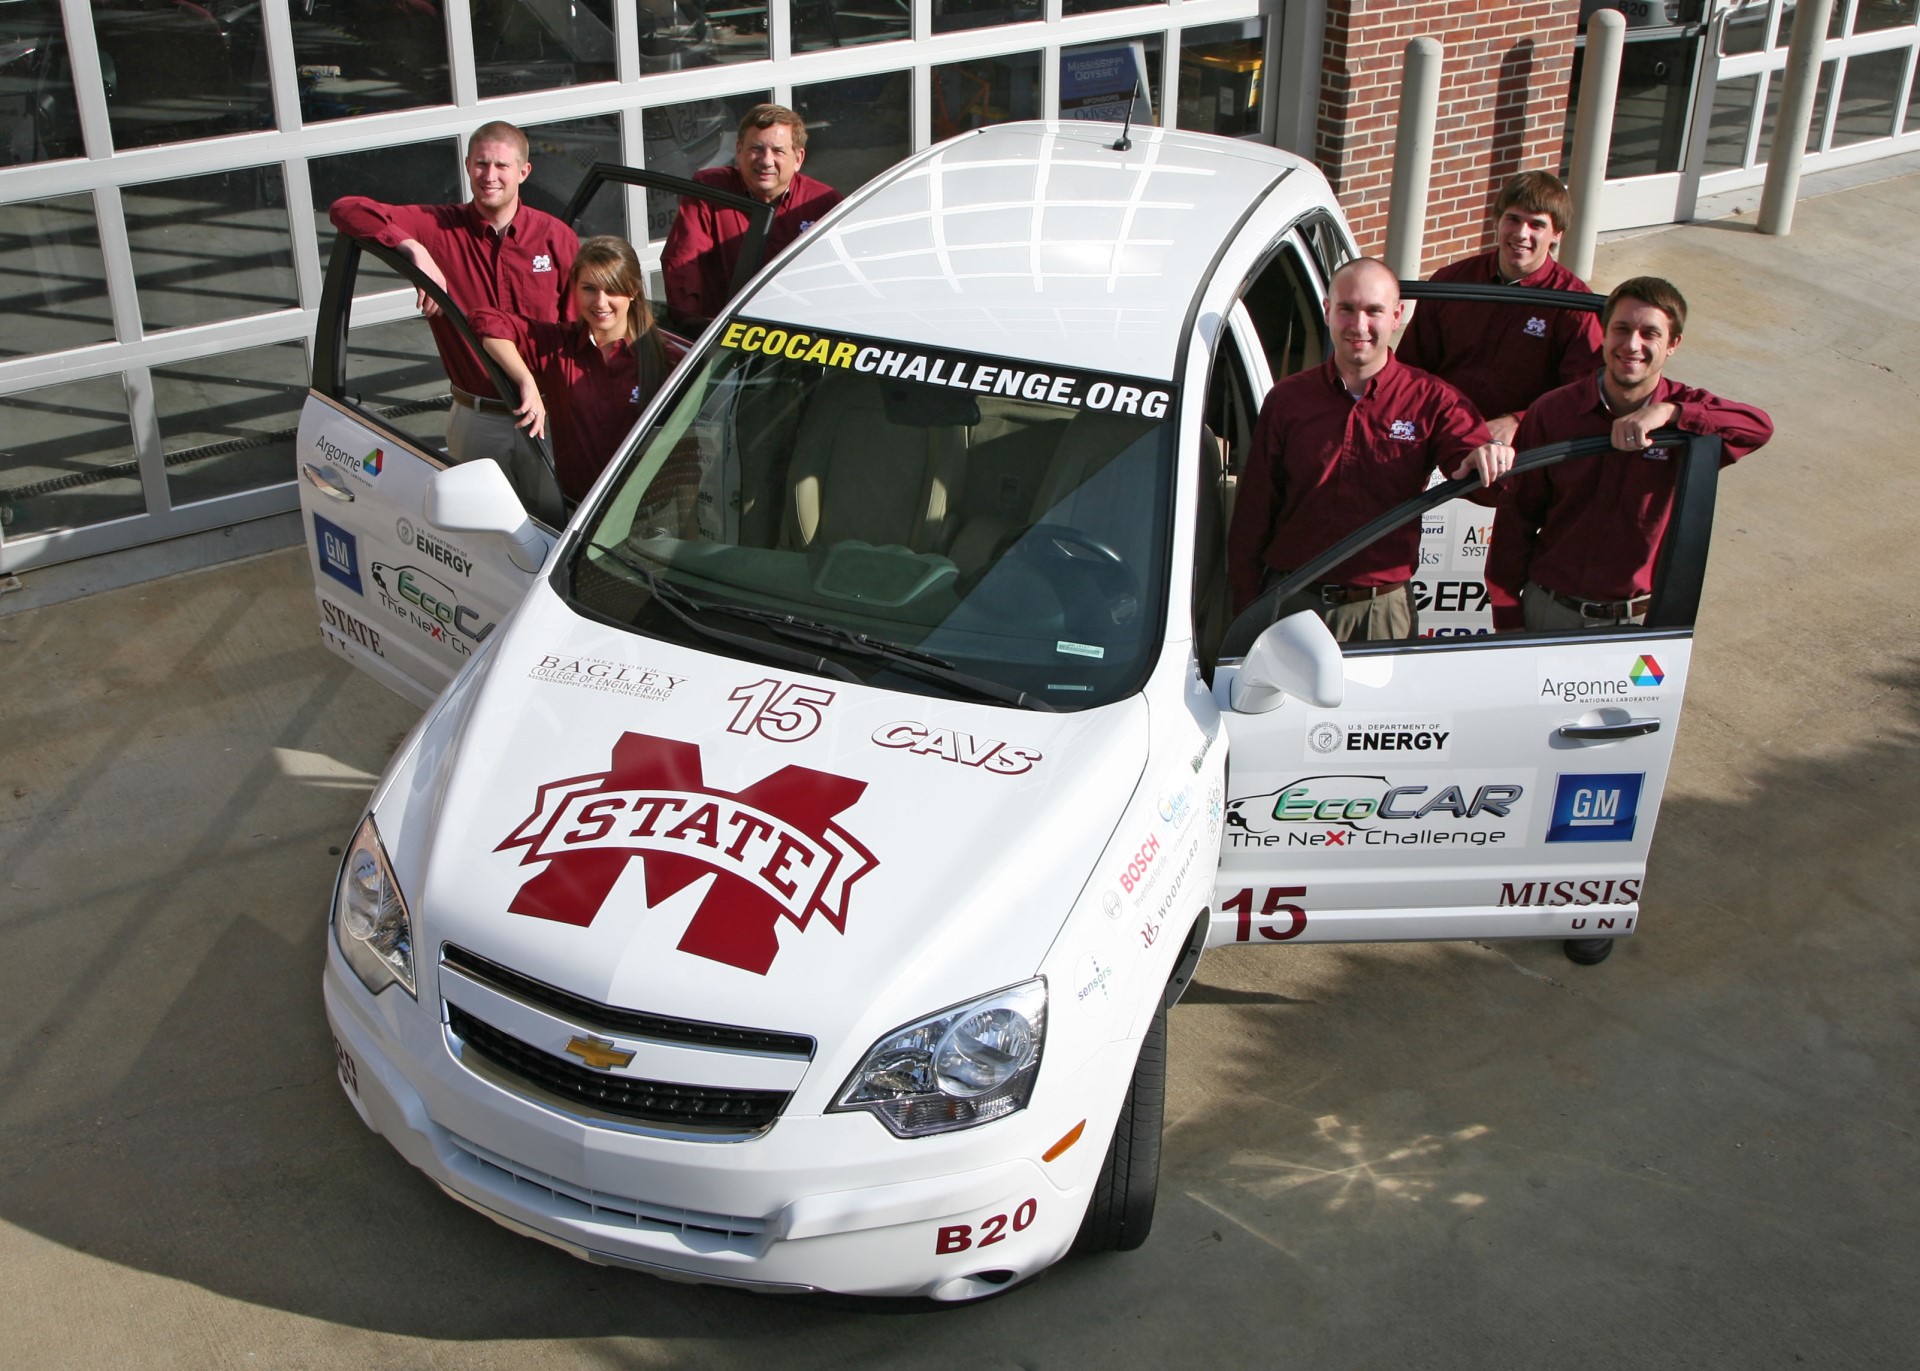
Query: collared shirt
x,y
522,269
1590,527
1502,357
703,246
592,397
1323,463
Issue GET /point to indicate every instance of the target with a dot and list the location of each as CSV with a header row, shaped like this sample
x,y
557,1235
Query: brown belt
x,y
480,404
1351,595
1614,611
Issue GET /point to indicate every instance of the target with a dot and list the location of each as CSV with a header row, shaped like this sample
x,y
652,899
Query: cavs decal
x,y
773,848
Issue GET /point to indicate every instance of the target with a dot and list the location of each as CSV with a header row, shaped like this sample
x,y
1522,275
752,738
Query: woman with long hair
x,y
584,380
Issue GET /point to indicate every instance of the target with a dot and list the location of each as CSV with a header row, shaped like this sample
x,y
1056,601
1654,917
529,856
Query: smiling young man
x,y
1339,444
703,247
493,252
1574,544
1502,357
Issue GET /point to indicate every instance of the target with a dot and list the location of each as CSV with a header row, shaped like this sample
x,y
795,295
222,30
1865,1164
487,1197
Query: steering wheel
x,y
1064,546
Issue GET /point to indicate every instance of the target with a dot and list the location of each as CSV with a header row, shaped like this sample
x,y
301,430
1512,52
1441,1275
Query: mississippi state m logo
x,y
773,849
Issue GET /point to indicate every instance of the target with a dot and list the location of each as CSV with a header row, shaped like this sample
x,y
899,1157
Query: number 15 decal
x,y
782,713
1286,920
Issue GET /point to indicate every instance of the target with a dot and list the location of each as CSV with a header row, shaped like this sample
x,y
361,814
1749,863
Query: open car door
x,y
1501,786
404,601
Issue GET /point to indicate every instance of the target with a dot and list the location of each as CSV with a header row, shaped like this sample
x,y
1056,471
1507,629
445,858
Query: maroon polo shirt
x,y
1590,527
703,246
522,269
1322,463
592,398
1502,357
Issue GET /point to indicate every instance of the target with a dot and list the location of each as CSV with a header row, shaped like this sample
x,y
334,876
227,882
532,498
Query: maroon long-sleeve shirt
x,y
592,398
1590,527
1323,463
522,270
703,246
1502,357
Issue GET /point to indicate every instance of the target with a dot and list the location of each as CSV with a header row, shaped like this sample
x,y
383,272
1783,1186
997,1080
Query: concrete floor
x,y
1701,1154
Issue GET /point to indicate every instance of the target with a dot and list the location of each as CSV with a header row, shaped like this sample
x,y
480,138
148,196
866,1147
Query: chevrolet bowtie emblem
x,y
598,1052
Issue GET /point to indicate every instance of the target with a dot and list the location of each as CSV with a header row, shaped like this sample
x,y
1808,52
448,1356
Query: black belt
x,y
1614,611
479,403
1330,594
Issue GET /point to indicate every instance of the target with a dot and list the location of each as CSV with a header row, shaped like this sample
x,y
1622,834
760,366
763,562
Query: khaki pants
x,y
1380,619
1544,614
473,433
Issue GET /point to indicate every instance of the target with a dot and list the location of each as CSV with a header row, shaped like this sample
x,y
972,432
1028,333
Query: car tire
x,y
1120,1214
1588,951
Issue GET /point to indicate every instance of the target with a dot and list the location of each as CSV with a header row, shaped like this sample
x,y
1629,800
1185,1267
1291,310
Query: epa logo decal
x,y
1595,809
774,848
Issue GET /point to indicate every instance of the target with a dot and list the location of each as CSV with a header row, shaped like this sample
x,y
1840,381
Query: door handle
x,y
325,483
1601,733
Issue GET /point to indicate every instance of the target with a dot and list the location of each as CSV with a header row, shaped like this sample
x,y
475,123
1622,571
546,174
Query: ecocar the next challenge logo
x,y
1367,811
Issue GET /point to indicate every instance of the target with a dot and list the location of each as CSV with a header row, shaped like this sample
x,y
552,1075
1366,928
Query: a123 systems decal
x,y
1352,811
773,848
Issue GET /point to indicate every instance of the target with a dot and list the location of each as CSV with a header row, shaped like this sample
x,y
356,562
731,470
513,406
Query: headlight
x,y
963,1066
370,918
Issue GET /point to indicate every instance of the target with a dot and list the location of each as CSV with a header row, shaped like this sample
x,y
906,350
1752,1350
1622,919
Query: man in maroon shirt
x,y
1574,544
1341,443
493,252
703,247
1503,357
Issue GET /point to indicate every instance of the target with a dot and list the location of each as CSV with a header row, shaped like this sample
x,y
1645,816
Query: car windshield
x,y
922,519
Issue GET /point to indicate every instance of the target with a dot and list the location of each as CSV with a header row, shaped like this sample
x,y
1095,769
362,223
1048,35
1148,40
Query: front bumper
x,y
828,1202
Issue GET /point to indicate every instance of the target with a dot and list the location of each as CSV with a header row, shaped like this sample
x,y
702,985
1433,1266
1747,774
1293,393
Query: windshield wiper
x,y
685,608
911,659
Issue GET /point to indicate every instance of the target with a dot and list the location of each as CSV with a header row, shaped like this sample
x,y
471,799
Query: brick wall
x,y
1503,107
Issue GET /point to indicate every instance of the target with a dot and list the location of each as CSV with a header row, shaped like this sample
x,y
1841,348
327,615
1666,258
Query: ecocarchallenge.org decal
x,y
951,370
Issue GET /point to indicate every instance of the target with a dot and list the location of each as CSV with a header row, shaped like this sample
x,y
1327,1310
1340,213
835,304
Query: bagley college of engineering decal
x,y
773,848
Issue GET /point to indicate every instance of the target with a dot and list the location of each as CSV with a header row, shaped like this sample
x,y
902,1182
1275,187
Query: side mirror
x,y
1297,656
476,497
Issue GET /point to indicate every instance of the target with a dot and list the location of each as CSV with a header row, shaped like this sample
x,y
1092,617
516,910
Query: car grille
x,y
705,1108
614,1020
696,1227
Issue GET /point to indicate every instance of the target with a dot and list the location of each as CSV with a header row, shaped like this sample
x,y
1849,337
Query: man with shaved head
x,y
1341,443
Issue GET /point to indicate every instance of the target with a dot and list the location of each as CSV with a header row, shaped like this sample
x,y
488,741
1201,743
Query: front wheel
x,y
1120,1214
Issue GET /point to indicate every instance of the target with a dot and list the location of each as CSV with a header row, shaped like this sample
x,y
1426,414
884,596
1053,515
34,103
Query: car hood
x,y
657,828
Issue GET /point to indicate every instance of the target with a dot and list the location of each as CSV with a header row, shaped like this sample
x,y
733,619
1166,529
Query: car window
x,y
392,372
1006,517
1285,305
1677,566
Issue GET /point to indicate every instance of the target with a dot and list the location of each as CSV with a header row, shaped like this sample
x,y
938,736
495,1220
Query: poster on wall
x,y
1103,82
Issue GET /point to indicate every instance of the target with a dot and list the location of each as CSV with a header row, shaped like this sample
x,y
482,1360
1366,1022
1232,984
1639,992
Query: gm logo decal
x,y
1595,809
339,553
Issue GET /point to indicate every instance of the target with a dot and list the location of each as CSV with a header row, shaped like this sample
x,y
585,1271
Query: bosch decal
x,y
339,553
614,678
1134,875
963,748
773,849
1595,809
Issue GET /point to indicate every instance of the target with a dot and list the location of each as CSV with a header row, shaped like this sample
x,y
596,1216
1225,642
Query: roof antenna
x,y
1124,143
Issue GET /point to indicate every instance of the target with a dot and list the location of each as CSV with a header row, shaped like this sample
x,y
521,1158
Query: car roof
x,y
1037,241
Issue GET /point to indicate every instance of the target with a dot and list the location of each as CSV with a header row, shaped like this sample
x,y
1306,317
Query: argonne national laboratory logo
x,y
773,848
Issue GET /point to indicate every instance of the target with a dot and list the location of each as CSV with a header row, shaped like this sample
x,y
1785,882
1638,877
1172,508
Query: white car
x,y
789,879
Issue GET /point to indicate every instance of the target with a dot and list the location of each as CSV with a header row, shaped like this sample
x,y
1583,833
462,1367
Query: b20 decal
x,y
962,1237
